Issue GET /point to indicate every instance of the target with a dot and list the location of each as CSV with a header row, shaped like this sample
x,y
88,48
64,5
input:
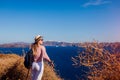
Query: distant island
x,y
60,44
112,47
46,43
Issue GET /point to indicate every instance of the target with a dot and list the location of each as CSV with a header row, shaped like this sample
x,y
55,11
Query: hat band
x,y
38,39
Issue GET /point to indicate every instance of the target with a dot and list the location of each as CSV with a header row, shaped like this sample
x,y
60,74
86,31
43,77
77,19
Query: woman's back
x,y
39,54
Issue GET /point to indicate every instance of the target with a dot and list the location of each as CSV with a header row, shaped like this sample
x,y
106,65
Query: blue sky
x,y
60,20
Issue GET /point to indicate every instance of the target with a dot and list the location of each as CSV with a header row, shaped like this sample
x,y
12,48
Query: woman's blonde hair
x,y
35,44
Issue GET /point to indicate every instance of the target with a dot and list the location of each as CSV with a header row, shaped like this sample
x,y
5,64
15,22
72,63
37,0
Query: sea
x,y
62,57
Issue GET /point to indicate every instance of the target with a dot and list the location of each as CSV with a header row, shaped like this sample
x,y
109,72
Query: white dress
x,y
37,70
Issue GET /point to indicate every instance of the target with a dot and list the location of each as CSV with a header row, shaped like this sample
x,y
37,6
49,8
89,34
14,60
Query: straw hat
x,y
38,37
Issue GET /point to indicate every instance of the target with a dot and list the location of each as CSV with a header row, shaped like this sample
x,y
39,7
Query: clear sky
x,y
60,20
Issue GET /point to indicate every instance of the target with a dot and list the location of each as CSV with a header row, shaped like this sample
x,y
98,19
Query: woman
x,y
39,53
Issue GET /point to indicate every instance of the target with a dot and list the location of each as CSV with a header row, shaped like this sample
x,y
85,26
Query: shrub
x,y
101,64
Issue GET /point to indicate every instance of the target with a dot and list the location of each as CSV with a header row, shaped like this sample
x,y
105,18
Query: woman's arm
x,y
45,55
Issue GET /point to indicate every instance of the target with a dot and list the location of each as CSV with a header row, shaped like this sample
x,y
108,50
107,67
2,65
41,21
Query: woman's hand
x,y
51,63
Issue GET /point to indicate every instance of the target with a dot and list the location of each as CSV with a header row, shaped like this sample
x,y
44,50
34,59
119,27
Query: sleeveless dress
x,y
38,67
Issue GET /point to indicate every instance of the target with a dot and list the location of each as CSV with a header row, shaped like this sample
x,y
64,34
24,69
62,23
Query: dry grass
x,y
49,73
101,64
12,68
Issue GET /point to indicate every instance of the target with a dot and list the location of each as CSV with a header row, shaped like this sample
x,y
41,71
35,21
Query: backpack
x,y
28,59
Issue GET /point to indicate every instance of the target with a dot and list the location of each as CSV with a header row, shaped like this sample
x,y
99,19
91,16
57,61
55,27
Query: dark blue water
x,y
61,57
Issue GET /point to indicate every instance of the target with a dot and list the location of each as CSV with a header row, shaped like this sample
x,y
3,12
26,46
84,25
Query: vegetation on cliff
x,y
98,63
12,68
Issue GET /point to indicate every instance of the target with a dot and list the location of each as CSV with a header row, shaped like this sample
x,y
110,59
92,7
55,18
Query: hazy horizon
x,y
60,20
59,41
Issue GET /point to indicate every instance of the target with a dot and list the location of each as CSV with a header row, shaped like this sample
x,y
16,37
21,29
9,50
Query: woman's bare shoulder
x,y
42,47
